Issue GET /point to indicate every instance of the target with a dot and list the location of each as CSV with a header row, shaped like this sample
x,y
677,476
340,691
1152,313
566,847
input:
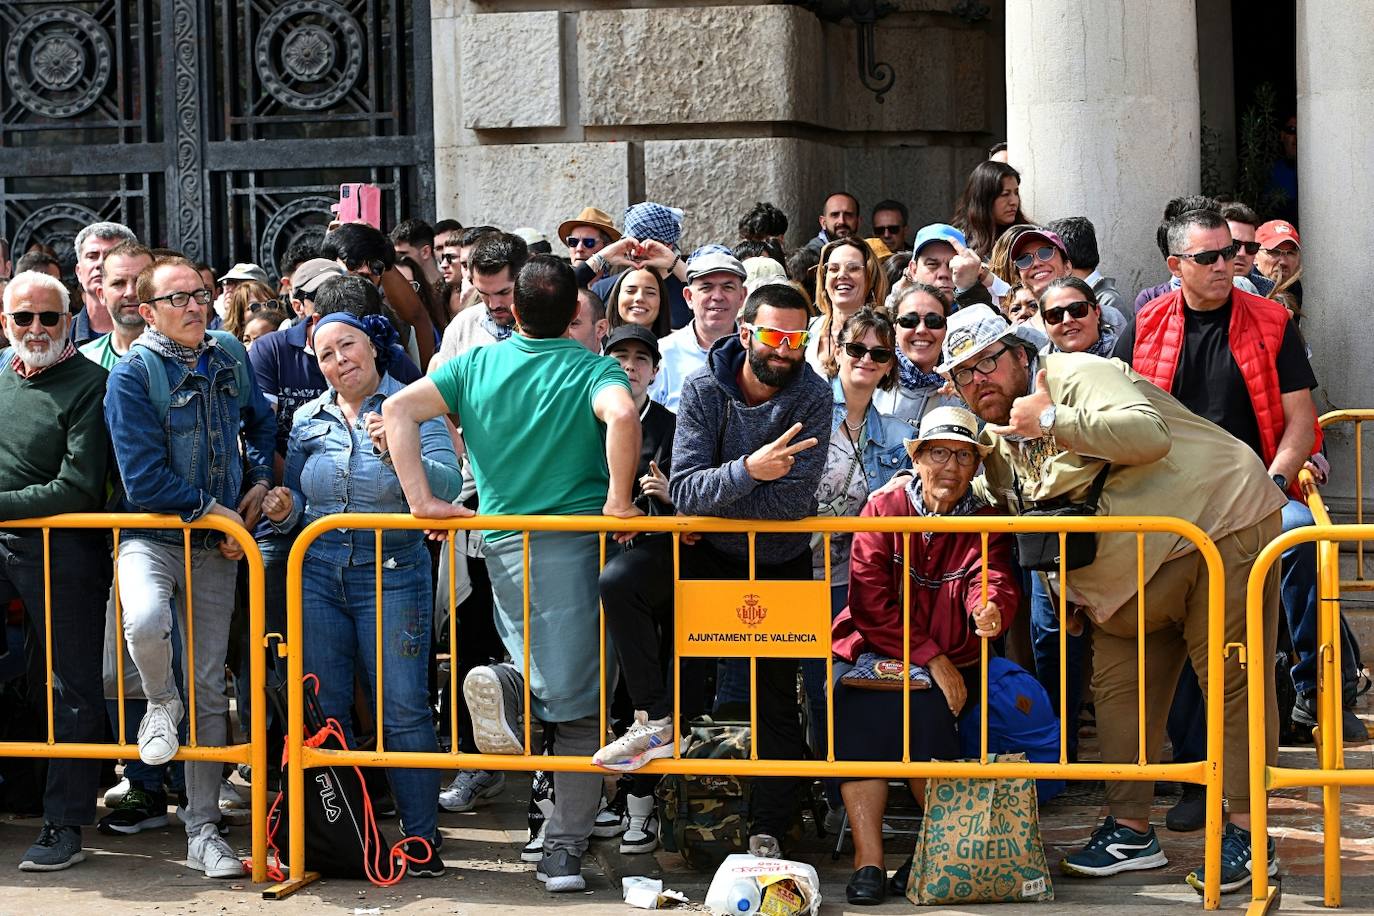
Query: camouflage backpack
x,y
706,818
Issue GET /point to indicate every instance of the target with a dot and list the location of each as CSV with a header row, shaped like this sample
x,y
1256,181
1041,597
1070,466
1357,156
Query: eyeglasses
x,y
255,307
1280,252
985,366
914,320
448,258
24,319
1043,253
573,241
1079,309
858,351
1249,247
887,230
775,338
1207,258
181,299
376,268
966,457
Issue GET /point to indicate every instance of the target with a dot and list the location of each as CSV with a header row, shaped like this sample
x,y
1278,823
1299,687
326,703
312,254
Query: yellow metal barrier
x,y
255,752
808,623
1361,582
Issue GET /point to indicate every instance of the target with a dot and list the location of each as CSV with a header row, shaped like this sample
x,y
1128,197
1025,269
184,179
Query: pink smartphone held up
x,y
360,203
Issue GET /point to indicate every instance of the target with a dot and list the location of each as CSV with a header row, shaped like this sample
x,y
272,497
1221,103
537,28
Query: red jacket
x,y
1255,335
946,587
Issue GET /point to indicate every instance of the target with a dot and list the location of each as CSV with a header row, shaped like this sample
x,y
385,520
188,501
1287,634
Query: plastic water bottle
x,y
744,897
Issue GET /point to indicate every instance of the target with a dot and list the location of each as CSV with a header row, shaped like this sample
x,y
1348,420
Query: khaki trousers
x,y
1175,631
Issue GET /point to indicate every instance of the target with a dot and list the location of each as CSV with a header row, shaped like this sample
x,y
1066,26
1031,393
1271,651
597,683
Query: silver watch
x,y
1047,420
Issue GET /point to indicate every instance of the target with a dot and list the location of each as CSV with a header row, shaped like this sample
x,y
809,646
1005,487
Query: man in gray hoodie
x,y
753,427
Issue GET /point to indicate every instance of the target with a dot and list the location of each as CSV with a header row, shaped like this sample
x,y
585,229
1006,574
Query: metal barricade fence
x,y
1362,581
253,753
803,632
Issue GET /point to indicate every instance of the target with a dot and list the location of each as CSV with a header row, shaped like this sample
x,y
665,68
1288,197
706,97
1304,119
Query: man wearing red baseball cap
x,y
1280,254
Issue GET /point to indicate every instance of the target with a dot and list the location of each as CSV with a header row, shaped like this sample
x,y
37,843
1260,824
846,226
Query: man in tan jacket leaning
x,y
1053,422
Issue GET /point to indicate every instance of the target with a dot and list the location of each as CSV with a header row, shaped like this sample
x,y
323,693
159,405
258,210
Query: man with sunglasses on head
x,y
192,437
54,459
715,291
753,428
1064,425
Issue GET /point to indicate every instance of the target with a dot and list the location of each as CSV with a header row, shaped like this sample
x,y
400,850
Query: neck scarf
x,y
912,377
156,340
967,504
499,331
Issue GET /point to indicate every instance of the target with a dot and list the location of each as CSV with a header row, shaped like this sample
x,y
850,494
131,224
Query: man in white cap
x,y
1068,427
715,292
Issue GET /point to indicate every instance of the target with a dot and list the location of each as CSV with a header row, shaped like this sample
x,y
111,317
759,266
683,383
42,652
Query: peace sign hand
x,y
776,458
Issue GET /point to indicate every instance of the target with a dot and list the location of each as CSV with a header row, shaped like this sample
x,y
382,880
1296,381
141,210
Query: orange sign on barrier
x,y
766,619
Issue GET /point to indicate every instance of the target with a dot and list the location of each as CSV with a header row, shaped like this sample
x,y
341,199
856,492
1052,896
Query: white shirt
x,y
465,331
681,356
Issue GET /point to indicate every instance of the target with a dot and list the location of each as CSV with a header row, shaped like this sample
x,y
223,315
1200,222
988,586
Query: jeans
x,y
1299,591
80,578
339,619
153,592
1044,627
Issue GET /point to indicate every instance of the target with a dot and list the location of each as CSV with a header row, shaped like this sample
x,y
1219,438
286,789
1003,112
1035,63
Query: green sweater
x,y
55,450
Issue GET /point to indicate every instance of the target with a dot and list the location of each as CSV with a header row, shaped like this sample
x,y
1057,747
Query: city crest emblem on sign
x,y
751,612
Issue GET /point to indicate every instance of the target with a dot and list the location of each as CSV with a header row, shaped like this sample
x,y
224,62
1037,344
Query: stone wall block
x,y
512,75
699,65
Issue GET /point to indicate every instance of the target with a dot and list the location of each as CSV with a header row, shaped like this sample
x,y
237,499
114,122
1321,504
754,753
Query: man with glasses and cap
x,y
193,437
1065,425
54,459
753,429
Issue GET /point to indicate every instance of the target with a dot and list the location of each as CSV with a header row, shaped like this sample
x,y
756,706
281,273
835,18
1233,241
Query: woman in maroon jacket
x,y
948,617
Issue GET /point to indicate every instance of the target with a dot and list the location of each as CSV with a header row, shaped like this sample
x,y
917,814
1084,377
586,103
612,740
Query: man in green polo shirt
x,y
550,429
119,276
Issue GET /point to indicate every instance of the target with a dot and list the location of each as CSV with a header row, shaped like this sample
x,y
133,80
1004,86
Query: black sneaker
x,y
137,811
1304,716
57,848
1235,861
431,865
1189,813
1115,848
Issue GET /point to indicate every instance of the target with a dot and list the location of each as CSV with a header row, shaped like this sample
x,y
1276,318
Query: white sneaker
x,y
229,797
645,740
115,794
208,852
641,825
157,733
533,850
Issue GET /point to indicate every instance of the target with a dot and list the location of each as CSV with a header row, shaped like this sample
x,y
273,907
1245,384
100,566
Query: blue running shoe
x,y
1235,861
1115,848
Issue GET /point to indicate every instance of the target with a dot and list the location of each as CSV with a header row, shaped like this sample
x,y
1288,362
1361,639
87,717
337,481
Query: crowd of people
x,y
974,367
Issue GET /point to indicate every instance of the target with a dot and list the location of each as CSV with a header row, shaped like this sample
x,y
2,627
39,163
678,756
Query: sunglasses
x,y
1249,247
376,268
1207,258
255,307
24,319
573,242
775,338
887,230
448,258
1043,253
1079,309
913,320
858,351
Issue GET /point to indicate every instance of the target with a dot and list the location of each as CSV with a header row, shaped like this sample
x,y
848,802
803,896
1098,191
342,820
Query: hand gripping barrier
x,y
803,629
255,752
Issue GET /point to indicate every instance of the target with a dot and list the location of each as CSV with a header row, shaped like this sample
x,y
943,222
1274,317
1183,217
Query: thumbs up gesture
x,y
1024,419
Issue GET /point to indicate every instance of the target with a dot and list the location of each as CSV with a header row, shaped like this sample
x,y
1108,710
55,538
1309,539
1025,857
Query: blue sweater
x,y
716,429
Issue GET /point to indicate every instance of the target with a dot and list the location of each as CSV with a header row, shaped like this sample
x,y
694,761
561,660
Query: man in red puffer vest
x,y
1238,360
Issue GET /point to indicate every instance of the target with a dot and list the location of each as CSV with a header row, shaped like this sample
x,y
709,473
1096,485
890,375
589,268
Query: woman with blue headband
x,y
337,461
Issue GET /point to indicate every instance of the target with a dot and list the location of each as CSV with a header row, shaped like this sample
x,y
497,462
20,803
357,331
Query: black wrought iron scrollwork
x,y
877,77
309,54
55,225
58,62
299,217
189,191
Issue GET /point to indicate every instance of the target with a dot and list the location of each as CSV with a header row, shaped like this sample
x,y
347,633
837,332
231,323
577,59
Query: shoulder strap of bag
x,y
158,392
235,348
1095,493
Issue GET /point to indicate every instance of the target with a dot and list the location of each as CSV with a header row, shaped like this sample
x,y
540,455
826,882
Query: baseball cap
x,y
1044,235
709,262
937,232
761,269
633,332
1275,232
308,277
947,424
245,271
971,329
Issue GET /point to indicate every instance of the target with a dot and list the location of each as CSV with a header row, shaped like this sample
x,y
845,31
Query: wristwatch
x,y
1047,420
1280,481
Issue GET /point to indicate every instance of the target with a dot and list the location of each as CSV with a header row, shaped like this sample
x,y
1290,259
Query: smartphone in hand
x,y
360,203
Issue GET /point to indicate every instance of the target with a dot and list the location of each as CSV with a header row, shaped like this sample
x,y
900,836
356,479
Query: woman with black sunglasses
x,y
1073,319
919,312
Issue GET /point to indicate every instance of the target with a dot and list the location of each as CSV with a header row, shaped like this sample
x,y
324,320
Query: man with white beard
x,y
53,459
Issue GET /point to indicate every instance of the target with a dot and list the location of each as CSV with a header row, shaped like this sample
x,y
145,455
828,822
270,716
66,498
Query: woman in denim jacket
x,y
337,461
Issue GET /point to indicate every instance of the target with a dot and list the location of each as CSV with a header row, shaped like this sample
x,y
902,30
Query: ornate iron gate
x,y
222,128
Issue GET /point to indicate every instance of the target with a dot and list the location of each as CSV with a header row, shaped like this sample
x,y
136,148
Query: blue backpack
x,y
158,391
1021,720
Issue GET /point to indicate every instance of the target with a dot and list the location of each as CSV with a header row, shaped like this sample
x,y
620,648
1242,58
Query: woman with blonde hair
x,y
848,278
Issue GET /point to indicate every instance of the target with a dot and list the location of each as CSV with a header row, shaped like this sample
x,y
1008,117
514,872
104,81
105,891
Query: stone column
x,y
1335,146
1102,119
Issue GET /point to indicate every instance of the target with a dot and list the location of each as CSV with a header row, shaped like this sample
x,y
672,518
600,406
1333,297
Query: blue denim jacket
x,y
332,467
884,453
185,463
